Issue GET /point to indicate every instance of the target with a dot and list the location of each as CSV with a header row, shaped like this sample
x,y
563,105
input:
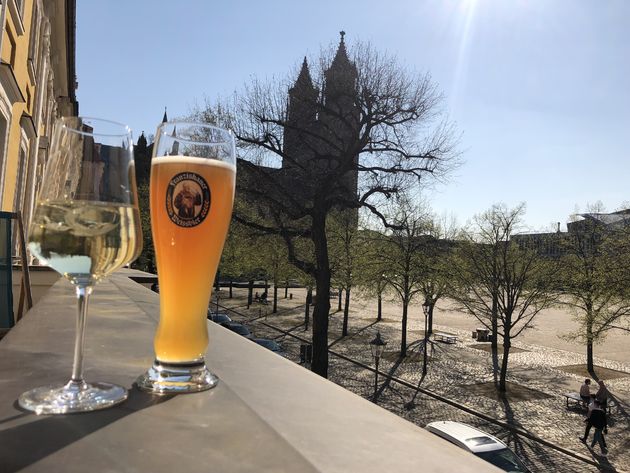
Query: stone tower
x,y
322,127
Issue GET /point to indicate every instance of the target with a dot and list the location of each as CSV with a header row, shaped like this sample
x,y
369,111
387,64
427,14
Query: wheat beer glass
x,y
85,226
193,174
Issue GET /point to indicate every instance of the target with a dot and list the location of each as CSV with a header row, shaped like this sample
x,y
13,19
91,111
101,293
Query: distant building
x,y
611,221
37,85
553,244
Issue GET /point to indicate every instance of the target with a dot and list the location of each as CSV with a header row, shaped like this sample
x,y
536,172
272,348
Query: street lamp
x,y
377,346
425,308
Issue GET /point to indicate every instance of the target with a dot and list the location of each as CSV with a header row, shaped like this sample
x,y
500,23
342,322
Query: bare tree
x,y
358,131
435,274
501,283
595,277
402,256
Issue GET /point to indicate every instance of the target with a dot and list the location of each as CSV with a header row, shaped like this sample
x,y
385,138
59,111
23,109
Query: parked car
x,y
218,317
476,441
270,345
237,328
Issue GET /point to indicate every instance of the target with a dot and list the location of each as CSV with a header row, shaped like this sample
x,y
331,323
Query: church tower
x,y
340,115
322,128
301,118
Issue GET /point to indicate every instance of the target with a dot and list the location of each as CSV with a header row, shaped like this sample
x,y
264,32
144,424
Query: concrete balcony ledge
x,y
266,415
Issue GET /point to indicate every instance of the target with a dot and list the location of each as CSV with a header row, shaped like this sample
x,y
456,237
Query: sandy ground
x,y
549,330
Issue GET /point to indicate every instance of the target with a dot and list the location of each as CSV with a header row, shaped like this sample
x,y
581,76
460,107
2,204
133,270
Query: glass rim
x,y
161,131
65,123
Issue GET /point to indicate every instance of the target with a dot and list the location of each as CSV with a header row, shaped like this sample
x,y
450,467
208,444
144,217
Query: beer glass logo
x,y
187,199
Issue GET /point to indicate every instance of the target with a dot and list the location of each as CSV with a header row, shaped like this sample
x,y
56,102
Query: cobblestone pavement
x,y
452,369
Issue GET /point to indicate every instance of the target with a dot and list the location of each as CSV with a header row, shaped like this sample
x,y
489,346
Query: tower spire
x,y
341,57
164,118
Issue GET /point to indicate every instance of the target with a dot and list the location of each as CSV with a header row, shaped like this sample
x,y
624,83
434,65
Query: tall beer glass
x,y
193,174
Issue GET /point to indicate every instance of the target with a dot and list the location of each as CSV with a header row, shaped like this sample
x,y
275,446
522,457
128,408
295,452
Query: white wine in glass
x,y
86,225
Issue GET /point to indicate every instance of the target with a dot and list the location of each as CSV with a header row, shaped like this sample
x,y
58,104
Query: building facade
x,y
37,85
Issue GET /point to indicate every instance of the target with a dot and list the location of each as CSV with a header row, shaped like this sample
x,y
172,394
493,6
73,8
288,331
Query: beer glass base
x,y
177,378
74,396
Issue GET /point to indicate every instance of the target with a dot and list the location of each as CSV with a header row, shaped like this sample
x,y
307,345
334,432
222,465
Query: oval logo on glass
x,y
187,199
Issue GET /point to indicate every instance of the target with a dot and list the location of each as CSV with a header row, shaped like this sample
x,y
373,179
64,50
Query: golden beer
x,y
191,207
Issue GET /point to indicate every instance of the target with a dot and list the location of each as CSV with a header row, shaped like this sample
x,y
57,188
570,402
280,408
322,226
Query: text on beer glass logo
x,y
187,199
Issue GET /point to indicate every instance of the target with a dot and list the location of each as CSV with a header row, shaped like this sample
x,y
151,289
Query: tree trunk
x,y
403,339
430,328
504,361
286,289
339,307
346,310
309,298
379,313
275,297
250,293
322,303
494,326
590,366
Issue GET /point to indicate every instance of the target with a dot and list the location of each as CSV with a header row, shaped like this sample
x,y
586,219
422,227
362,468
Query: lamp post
x,y
377,346
425,309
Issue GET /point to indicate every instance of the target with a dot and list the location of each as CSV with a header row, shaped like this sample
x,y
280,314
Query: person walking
x,y
602,394
597,418
585,392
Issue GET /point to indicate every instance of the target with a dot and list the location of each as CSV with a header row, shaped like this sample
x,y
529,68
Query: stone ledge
x,y
267,414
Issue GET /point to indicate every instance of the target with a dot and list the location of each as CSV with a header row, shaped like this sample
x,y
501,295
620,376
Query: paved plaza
x,y
457,372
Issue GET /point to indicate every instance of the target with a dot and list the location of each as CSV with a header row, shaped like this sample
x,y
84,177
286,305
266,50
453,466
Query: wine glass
x,y
86,225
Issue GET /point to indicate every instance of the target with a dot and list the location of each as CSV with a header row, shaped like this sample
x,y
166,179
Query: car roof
x,y
465,436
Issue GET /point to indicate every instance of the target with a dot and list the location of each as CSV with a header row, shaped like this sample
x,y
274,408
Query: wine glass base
x,y
176,378
74,396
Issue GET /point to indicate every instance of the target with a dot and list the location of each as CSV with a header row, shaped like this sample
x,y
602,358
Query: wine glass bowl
x,y
85,226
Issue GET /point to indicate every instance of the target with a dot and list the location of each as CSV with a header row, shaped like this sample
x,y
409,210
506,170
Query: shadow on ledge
x,y
45,435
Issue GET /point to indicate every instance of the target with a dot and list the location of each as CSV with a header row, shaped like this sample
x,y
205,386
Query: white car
x,y
484,445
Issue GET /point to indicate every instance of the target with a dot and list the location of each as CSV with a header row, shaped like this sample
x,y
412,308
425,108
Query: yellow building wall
x,y
20,70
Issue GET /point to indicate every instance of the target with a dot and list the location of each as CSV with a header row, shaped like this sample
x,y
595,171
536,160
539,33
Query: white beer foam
x,y
192,160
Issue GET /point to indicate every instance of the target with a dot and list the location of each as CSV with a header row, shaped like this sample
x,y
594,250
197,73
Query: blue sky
x,y
539,89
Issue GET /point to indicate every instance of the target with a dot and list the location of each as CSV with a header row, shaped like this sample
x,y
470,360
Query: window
x,y
20,177
4,128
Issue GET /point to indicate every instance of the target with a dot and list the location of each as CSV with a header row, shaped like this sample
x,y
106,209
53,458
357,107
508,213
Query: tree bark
x,y
430,328
250,293
346,310
322,304
309,298
286,289
275,297
494,325
590,365
504,361
379,314
403,339
339,306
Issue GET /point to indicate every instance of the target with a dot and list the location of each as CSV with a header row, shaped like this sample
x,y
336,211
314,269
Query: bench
x,y
445,337
577,400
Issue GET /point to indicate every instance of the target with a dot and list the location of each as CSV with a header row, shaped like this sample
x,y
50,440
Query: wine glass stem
x,y
83,295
